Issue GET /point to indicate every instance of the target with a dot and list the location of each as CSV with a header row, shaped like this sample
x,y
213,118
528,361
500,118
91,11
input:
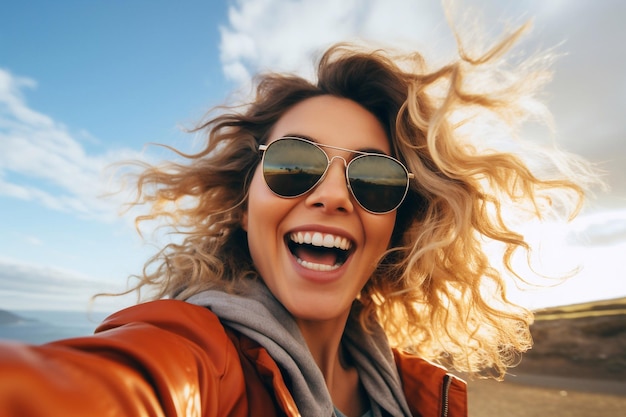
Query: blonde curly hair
x,y
429,290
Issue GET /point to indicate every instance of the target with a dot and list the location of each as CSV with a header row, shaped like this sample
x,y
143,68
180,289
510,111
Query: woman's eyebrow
x,y
301,136
310,139
373,150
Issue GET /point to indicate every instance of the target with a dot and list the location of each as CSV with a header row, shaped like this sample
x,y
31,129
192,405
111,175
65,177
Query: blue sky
x,y
84,84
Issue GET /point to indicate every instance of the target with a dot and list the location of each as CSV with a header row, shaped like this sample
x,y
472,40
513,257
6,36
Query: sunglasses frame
x,y
360,154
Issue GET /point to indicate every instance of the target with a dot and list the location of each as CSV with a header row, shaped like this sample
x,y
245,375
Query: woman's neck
x,y
342,380
323,339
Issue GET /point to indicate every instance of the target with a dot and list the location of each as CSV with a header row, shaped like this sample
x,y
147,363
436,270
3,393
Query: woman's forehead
x,y
335,121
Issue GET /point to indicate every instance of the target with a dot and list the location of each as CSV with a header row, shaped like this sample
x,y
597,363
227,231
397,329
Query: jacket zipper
x,y
447,380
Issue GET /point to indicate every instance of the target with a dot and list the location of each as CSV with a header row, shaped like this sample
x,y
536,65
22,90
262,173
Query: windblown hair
x,y
436,290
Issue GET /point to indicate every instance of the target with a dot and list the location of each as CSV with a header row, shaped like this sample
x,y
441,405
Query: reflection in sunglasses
x,y
294,166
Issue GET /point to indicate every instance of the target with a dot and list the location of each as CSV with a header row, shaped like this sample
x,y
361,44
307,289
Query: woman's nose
x,y
332,193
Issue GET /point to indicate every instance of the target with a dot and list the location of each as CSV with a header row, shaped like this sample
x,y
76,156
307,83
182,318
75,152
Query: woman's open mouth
x,y
319,251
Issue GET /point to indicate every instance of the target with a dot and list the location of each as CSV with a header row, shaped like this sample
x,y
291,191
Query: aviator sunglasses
x,y
293,166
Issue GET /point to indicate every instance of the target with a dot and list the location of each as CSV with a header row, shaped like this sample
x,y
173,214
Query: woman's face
x,y
319,288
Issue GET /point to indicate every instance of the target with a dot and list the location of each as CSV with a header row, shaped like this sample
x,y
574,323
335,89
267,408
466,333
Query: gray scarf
x,y
259,316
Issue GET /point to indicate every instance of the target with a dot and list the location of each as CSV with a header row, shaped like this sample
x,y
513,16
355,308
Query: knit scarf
x,y
258,315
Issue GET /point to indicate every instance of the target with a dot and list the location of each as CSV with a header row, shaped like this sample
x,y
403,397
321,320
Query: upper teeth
x,y
321,239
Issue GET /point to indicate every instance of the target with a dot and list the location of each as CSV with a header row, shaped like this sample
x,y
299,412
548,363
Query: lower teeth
x,y
317,267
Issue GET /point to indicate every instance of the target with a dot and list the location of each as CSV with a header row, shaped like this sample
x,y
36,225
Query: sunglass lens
x,y
377,182
292,167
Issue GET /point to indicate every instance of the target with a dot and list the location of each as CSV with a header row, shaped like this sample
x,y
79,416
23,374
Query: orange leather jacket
x,y
171,358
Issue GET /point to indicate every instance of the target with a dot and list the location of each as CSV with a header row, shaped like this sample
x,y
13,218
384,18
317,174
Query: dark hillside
x,y
580,341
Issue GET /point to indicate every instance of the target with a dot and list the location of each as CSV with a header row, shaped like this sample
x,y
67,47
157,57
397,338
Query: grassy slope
x,y
611,307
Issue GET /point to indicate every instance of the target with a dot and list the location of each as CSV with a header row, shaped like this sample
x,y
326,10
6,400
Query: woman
x,y
331,245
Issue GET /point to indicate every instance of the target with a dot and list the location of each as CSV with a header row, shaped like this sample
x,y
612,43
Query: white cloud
x,y
600,276
41,161
281,35
572,262
12,101
46,288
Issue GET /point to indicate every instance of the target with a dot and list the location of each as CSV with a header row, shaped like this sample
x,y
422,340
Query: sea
x,y
41,326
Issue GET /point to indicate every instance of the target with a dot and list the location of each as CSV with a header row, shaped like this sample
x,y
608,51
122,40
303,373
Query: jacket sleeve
x,y
164,358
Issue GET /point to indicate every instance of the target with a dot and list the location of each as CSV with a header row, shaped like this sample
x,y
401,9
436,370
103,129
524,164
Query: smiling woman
x,y
331,250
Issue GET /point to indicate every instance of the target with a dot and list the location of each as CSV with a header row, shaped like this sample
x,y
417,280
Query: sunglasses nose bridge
x,y
345,165
331,160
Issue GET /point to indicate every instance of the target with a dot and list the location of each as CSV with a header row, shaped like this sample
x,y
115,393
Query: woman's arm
x,y
155,359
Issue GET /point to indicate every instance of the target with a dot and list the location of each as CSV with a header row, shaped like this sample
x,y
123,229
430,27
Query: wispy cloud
x,y
41,161
602,229
49,288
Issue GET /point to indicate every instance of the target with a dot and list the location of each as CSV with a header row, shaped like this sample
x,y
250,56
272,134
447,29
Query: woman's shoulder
x,y
430,387
414,365
173,315
173,319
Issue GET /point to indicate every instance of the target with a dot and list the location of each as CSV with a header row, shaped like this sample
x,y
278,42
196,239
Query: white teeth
x,y
320,239
317,267
329,241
